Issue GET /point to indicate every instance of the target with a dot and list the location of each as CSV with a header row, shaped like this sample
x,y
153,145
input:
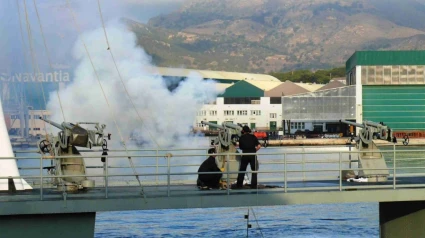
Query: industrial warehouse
x,y
380,86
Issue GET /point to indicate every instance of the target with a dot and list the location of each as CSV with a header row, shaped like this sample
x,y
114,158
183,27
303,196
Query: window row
x,y
251,100
298,125
243,100
395,74
238,113
29,116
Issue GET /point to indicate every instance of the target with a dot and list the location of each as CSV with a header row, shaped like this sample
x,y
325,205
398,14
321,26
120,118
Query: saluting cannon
x,y
371,131
64,144
371,160
228,136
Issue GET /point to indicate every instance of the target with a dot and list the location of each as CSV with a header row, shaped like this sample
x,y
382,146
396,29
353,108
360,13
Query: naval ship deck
x,y
295,176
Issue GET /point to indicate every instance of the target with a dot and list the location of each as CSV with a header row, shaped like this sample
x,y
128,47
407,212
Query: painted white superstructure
x,y
8,167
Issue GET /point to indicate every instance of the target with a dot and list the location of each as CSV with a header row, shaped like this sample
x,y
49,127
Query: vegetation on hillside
x,y
322,76
260,36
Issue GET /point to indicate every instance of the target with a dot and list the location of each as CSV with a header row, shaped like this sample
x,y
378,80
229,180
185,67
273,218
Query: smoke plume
x,y
161,117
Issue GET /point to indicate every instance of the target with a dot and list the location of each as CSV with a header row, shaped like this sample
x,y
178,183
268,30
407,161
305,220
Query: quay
x,y
339,141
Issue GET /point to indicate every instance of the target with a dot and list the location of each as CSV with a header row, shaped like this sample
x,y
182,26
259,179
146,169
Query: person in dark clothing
x,y
248,143
209,165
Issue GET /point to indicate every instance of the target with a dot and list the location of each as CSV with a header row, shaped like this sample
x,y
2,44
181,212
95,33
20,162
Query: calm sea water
x,y
299,221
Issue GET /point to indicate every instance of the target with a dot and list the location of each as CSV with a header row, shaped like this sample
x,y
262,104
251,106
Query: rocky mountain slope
x,y
274,35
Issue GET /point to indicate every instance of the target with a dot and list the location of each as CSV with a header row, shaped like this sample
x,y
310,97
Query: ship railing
x,y
302,170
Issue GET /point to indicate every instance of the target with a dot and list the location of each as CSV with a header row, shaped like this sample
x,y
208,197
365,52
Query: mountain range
x,y
263,36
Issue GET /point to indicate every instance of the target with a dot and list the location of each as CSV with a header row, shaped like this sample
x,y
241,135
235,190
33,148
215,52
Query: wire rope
x,y
35,65
120,76
256,220
48,57
104,95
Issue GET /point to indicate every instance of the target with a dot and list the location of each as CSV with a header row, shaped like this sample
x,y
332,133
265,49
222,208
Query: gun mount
x,y
228,136
64,144
370,160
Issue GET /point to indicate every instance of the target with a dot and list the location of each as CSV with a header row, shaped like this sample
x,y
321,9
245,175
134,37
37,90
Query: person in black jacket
x,y
209,165
248,143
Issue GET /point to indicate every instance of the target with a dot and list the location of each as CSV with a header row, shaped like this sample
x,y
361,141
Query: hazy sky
x,y
59,29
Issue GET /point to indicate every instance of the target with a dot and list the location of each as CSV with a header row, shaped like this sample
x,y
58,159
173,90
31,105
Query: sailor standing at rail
x,y
248,143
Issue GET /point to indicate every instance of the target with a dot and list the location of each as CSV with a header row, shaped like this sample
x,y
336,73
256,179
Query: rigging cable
x,y
119,74
256,220
48,57
33,58
104,95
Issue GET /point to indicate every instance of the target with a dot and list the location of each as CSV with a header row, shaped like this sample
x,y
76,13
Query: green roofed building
x,y
390,88
250,88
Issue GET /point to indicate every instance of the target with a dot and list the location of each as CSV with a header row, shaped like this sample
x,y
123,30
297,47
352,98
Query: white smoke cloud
x,y
167,116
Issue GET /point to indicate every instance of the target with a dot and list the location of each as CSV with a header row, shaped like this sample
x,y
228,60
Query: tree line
x,y
321,76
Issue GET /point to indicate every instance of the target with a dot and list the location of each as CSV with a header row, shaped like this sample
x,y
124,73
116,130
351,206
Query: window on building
x,y
242,100
276,100
242,112
298,125
351,77
202,113
273,115
379,74
213,113
14,117
255,113
229,113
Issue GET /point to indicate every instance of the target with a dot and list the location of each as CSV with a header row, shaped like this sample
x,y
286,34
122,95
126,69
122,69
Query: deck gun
x,y
64,144
371,161
225,142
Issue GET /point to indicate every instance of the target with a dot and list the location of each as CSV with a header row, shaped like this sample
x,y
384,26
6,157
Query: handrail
x,y
293,169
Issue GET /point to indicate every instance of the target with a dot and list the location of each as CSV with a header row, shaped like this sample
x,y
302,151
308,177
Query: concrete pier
x,y
338,141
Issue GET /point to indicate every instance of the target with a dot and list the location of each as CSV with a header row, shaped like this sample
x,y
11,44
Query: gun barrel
x,y
67,125
53,123
352,123
212,124
374,124
233,126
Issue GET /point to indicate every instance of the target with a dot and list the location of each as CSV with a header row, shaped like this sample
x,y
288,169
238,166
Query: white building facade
x,y
259,115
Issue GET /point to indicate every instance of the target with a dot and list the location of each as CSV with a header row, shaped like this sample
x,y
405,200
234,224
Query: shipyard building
x,y
390,88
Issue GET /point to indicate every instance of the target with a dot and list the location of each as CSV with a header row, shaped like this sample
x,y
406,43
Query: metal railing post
x,y
340,173
303,162
285,174
349,156
394,168
227,174
106,173
168,175
156,167
41,177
